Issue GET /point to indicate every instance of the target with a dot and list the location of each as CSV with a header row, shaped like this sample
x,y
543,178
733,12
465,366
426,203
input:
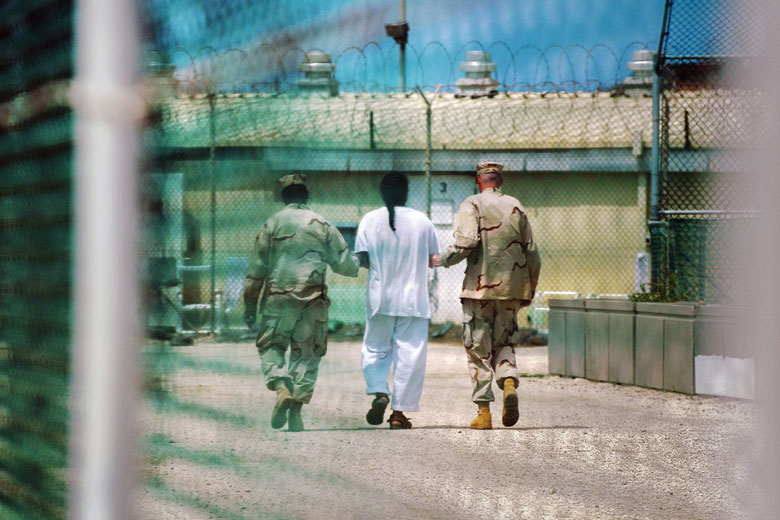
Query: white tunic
x,y
398,274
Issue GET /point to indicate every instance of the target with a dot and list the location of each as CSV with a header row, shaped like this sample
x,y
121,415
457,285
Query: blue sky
x,y
524,36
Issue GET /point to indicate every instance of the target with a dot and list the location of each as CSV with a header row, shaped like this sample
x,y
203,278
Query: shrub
x,y
665,289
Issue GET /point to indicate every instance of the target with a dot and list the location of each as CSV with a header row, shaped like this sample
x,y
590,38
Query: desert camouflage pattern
x,y
489,334
307,335
489,167
289,260
493,234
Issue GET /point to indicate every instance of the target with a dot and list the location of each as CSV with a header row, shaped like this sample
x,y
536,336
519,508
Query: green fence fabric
x,y
224,123
709,135
36,152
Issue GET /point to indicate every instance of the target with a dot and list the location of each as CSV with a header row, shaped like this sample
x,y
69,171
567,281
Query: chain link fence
x,y
577,161
36,153
707,55
577,156
572,126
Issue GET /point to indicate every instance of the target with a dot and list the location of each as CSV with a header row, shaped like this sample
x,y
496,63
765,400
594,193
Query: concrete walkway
x,y
581,449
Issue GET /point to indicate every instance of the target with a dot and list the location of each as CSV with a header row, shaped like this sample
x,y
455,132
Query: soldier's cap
x,y
489,167
289,180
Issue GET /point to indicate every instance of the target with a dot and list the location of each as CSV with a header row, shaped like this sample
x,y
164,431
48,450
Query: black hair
x,y
295,193
395,189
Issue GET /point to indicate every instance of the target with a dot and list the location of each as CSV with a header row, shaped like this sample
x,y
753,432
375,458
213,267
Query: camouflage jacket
x,y
493,234
289,260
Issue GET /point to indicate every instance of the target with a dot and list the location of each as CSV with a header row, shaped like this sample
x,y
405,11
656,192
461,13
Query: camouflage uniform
x,y
502,269
289,260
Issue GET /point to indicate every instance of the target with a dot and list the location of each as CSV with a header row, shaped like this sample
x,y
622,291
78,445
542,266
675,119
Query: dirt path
x,y
581,449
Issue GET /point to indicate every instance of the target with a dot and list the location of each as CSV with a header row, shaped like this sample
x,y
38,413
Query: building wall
x,y
589,225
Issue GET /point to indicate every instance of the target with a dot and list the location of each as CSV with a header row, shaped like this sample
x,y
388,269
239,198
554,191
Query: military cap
x,y
489,167
295,178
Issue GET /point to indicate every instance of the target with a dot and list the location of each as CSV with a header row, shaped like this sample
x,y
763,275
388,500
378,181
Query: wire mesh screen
x,y
576,160
708,143
36,134
227,123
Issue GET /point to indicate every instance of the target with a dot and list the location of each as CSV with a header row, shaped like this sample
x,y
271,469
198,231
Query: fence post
x,y
428,161
428,147
106,332
659,243
402,51
213,177
655,184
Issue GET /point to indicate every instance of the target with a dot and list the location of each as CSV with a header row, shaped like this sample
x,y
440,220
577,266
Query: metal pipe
x,y
428,161
428,146
104,384
213,175
655,181
709,212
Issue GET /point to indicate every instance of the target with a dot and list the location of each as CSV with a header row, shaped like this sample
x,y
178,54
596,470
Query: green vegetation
x,y
665,289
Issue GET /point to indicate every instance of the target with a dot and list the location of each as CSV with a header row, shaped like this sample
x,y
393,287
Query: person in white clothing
x,y
396,243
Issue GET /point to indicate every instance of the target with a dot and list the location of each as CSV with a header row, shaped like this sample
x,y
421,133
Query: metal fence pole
x,y
655,182
213,176
402,51
105,345
428,161
428,147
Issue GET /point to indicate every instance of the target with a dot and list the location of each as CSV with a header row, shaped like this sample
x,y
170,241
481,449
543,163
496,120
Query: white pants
x,y
403,342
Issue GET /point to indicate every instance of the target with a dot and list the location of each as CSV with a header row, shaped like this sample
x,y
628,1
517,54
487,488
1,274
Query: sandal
x,y
377,412
398,421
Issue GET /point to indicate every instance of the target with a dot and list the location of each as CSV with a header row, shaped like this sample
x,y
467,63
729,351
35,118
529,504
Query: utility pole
x,y
399,31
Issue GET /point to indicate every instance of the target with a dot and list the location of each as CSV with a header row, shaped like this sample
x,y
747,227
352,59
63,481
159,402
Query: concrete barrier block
x,y
649,351
597,346
556,342
621,348
708,337
678,355
575,343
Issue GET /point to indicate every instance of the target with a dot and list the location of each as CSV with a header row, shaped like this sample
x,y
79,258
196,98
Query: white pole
x,y
105,346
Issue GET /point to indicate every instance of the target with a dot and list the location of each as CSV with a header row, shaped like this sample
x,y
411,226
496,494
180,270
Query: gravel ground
x,y
580,450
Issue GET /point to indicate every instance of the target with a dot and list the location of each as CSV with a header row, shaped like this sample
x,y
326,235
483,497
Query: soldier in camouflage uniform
x,y
289,260
502,269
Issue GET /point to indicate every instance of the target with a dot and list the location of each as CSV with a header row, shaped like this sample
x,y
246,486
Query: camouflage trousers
x,y
490,334
306,334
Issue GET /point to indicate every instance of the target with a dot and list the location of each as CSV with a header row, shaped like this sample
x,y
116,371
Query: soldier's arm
x,y
256,274
466,235
340,258
533,259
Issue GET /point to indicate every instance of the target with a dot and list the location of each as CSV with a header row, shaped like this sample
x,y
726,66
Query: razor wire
x,y
266,67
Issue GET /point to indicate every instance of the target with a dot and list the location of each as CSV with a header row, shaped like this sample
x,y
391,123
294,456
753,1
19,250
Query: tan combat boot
x,y
283,402
510,413
294,419
483,421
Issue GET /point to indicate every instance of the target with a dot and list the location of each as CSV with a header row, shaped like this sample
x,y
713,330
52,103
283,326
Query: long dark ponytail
x,y
395,189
